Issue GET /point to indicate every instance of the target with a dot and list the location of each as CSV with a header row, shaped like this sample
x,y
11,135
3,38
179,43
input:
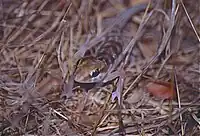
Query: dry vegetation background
x,y
38,40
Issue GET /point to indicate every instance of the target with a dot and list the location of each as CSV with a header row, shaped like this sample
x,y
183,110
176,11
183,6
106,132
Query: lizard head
x,y
90,70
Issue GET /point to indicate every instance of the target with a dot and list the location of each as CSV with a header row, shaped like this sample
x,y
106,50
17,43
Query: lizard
x,y
92,68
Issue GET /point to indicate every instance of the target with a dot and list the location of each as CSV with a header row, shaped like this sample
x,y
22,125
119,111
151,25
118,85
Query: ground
x,y
41,42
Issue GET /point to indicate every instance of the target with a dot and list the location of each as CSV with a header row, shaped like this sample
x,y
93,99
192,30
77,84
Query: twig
x,y
179,101
193,27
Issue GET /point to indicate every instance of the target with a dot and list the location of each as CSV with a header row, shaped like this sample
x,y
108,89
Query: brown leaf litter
x,y
41,42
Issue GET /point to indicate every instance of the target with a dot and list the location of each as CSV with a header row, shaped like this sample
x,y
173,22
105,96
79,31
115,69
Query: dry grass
x,y
40,42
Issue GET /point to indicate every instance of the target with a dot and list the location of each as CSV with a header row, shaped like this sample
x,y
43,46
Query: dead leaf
x,y
134,2
48,85
135,96
161,90
181,59
149,43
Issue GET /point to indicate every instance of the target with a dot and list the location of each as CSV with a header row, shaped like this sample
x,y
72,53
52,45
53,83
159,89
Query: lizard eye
x,y
95,73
